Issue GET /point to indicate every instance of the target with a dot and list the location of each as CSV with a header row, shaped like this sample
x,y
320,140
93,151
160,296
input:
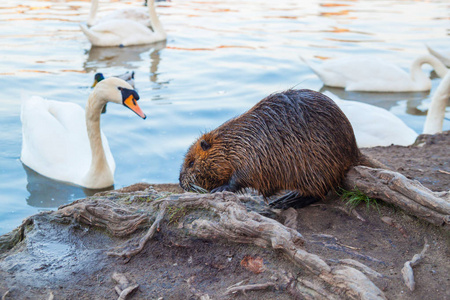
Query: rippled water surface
x,y
220,58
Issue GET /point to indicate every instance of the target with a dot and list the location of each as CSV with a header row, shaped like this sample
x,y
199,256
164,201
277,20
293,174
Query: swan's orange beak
x,y
131,103
130,98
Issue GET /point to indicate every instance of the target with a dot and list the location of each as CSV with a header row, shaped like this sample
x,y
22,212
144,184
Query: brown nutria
x,y
297,140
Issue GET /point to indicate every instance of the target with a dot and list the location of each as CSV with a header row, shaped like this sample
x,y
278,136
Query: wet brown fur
x,y
297,140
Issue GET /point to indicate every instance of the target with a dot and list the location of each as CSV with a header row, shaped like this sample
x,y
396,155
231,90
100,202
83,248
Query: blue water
x,y
221,57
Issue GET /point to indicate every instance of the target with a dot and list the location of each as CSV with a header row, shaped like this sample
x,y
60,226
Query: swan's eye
x,y
120,88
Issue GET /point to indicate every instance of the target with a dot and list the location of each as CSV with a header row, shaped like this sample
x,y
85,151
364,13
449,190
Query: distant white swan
x,y
138,14
372,74
443,56
63,142
376,126
126,32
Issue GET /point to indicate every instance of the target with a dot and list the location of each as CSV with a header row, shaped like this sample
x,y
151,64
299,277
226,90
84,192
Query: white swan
x,y
138,14
371,74
376,126
126,32
63,142
444,57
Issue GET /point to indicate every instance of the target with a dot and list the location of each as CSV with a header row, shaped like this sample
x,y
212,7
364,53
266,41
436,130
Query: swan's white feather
x,y
55,141
138,14
374,126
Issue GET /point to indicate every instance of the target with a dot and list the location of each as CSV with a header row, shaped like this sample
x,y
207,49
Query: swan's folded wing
x,y
137,14
52,132
375,126
118,32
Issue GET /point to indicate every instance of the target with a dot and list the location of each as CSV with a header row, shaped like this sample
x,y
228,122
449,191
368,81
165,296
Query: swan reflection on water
x,y
125,57
49,193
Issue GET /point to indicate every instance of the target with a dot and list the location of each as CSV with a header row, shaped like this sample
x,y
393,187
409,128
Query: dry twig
x,y
123,289
5,294
250,287
407,272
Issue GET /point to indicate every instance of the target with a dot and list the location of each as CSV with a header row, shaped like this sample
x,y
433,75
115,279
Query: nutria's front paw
x,y
223,188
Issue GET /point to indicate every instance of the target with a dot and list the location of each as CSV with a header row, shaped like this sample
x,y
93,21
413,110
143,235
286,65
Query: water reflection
x,y
125,57
155,59
384,100
48,193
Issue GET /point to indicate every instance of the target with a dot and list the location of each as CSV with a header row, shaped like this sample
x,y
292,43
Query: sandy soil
x,y
69,261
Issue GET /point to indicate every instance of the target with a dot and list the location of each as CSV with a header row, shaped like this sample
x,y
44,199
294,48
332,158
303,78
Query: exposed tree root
x,y
250,287
131,249
313,290
9,240
407,272
410,195
231,222
104,214
365,269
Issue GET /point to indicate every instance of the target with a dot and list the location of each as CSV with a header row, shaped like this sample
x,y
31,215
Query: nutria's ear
x,y
205,145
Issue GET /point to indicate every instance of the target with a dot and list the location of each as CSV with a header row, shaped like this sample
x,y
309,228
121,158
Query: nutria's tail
x,y
368,161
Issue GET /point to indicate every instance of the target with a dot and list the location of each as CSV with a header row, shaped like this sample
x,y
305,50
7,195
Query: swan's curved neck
x,y
419,76
436,113
99,173
156,24
92,12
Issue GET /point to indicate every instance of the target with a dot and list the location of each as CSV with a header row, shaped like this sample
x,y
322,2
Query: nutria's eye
x,y
191,164
205,145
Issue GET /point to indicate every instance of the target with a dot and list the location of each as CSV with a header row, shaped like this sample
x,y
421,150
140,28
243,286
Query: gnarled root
x,y
409,195
131,249
104,214
231,221
9,240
